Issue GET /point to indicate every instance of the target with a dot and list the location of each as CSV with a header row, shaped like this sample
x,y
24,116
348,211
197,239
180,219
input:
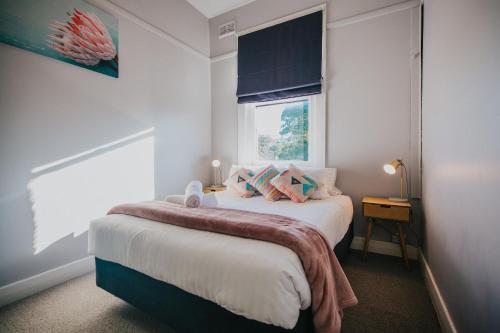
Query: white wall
x,y
177,17
461,157
50,110
372,106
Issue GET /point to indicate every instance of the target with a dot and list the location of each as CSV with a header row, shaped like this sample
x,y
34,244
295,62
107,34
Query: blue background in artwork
x,y
25,24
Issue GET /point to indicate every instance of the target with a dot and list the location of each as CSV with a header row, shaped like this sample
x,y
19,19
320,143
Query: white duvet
x,y
255,279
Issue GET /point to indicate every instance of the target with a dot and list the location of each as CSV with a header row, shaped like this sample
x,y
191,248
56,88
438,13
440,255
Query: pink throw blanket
x,y
330,289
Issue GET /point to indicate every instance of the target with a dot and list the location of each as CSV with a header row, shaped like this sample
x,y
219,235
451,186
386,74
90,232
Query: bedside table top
x,y
214,188
385,201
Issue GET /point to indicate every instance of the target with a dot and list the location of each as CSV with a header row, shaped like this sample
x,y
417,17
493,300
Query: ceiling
x,y
212,8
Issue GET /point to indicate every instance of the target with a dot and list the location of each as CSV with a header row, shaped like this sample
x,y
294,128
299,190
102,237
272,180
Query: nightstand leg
x,y
402,243
368,236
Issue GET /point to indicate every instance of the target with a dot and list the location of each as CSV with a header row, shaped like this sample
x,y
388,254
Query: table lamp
x,y
218,172
391,169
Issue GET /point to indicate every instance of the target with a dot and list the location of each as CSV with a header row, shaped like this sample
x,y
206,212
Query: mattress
x,y
258,280
331,215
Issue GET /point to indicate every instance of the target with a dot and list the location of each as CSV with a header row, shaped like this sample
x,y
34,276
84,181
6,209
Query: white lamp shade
x,y
391,167
216,163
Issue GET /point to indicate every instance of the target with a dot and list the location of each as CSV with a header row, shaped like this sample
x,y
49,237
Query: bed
x,y
189,279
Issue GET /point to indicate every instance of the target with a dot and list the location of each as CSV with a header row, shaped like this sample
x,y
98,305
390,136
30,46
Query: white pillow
x,y
325,176
321,192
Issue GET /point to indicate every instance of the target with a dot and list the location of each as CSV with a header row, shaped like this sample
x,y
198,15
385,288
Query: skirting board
x,y
34,284
381,247
442,312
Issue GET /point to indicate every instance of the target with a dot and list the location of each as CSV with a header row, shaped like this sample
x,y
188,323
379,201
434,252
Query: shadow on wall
x,y
67,194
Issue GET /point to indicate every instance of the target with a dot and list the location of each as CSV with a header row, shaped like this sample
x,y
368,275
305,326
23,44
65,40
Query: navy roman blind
x,y
281,61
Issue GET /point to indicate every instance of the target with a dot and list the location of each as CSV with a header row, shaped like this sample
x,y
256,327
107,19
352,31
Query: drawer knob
x,y
385,206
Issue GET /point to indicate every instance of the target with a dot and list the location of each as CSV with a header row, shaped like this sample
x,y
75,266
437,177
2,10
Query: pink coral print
x,y
84,39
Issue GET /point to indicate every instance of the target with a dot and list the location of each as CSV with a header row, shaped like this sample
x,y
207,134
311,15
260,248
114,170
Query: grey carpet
x,y
391,299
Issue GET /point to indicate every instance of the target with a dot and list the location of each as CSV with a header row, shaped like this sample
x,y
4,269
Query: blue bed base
x,y
185,312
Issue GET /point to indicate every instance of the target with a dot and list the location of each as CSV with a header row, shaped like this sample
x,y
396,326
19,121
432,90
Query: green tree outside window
x,y
293,140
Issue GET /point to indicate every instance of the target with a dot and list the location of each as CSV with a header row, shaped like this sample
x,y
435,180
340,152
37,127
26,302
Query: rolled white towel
x,y
209,201
175,199
193,194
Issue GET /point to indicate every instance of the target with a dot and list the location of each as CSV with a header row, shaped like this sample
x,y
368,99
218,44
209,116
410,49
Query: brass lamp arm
x,y
406,180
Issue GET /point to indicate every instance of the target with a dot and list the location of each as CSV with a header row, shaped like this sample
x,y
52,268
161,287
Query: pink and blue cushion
x,y
262,183
239,182
295,184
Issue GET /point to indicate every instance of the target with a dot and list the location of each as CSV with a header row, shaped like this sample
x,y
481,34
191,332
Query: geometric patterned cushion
x,y
295,184
238,182
262,183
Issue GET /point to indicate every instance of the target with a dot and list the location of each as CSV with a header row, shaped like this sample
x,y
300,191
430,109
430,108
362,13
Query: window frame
x,y
248,142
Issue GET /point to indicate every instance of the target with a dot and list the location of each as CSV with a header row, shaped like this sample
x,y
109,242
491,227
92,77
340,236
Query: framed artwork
x,y
72,31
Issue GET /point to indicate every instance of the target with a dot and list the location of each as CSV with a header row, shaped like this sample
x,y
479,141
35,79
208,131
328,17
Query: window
x,y
282,132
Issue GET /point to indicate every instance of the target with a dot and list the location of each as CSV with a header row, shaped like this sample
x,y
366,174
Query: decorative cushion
x,y
262,183
252,167
239,182
236,167
295,184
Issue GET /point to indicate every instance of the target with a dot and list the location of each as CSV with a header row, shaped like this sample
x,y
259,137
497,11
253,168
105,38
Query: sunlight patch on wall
x,y
67,194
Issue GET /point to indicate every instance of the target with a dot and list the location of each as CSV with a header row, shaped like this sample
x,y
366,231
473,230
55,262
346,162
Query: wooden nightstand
x,y
381,208
213,188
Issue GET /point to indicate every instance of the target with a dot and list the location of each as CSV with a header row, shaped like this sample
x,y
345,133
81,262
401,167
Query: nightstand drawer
x,y
386,212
